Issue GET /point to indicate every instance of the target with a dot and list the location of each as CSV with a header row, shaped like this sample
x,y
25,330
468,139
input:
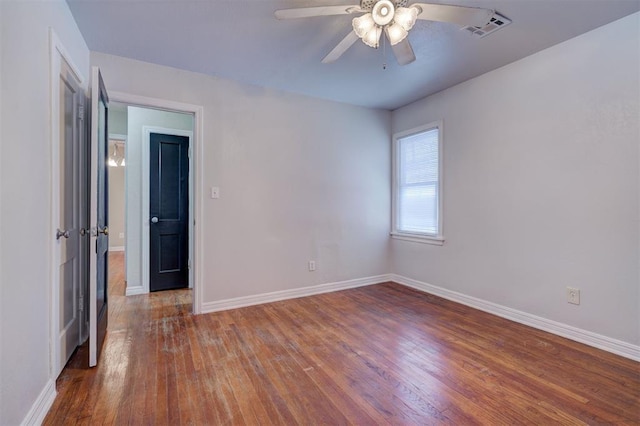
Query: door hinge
x,y
189,265
81,304
80,112
189,152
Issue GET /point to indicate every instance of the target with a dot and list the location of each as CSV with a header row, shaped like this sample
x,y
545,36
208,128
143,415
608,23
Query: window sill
x,y
423,239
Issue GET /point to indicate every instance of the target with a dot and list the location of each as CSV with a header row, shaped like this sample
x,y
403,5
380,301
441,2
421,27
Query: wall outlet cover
x,y
573,295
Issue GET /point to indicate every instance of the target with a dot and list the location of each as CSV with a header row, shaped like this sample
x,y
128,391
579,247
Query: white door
x,y
98,297
68,233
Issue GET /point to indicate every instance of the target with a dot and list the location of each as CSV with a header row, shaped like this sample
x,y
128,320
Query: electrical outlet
x,y
312,265
215,192
121,235
573,295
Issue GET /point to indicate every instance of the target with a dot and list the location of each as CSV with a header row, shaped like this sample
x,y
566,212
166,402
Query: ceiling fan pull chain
x,y
384,53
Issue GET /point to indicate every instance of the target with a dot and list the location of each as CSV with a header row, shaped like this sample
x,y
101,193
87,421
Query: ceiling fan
x,y
394,18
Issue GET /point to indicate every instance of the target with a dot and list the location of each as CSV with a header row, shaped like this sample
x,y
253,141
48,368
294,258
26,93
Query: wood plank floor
x,y
382,354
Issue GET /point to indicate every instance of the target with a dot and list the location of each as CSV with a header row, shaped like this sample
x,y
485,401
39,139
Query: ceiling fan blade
x,y
460,15
342,47
308,12
404,52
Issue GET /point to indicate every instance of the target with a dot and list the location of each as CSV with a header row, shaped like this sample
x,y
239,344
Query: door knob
x,y
104,231
154,219
60,234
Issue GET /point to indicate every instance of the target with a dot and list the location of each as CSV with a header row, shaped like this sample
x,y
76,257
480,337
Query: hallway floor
x,y
82,390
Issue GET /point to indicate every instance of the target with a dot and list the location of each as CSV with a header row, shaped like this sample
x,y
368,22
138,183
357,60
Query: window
x,y
417,189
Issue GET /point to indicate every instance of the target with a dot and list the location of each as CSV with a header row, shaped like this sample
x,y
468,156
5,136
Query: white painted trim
x,y
144,101
57,46
599,341
117,137
42,404
134,291
240,302
197,176
57,54
116,248
423,239
146,153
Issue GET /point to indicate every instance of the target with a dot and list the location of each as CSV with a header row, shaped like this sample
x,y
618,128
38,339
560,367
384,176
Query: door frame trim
x,y
195,174
146,154
57,54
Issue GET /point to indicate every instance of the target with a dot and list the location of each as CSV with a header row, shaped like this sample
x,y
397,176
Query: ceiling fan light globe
x,y
396,33
372,38
406,17
383,12
363,24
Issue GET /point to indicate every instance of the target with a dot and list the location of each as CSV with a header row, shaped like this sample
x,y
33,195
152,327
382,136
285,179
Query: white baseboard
x,y
240,302
41,406
134,291
599,341
116,248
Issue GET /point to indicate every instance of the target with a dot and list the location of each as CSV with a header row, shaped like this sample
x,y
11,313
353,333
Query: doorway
x,y
195,114
69,205
68,235
131,127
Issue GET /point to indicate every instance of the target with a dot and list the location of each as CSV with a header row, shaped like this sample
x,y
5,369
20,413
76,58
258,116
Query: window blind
x,y
417,192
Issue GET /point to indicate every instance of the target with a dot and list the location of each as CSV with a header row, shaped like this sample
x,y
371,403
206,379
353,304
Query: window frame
x,y
420,237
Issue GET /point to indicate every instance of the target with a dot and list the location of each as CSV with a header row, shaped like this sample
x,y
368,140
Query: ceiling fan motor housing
x,y
385,16
367,5
383,12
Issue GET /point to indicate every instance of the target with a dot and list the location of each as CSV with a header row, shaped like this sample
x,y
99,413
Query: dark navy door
x,y
169,212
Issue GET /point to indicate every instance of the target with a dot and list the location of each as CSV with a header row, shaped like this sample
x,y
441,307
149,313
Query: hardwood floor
x,y
382,354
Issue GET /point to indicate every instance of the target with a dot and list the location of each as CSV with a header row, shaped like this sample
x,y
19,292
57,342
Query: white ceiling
x,y
241,40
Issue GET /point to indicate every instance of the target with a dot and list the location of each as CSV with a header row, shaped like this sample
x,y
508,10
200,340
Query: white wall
x,y
137,118
300,179
541,184
25,193
117,119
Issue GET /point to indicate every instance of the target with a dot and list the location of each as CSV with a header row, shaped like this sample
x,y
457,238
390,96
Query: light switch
x,y
215,192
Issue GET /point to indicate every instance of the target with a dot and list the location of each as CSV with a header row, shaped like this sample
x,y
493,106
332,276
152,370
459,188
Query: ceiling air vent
x,y
498,21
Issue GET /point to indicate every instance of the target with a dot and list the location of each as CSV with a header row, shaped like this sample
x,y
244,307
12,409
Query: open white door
x,y
68,237
98,307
